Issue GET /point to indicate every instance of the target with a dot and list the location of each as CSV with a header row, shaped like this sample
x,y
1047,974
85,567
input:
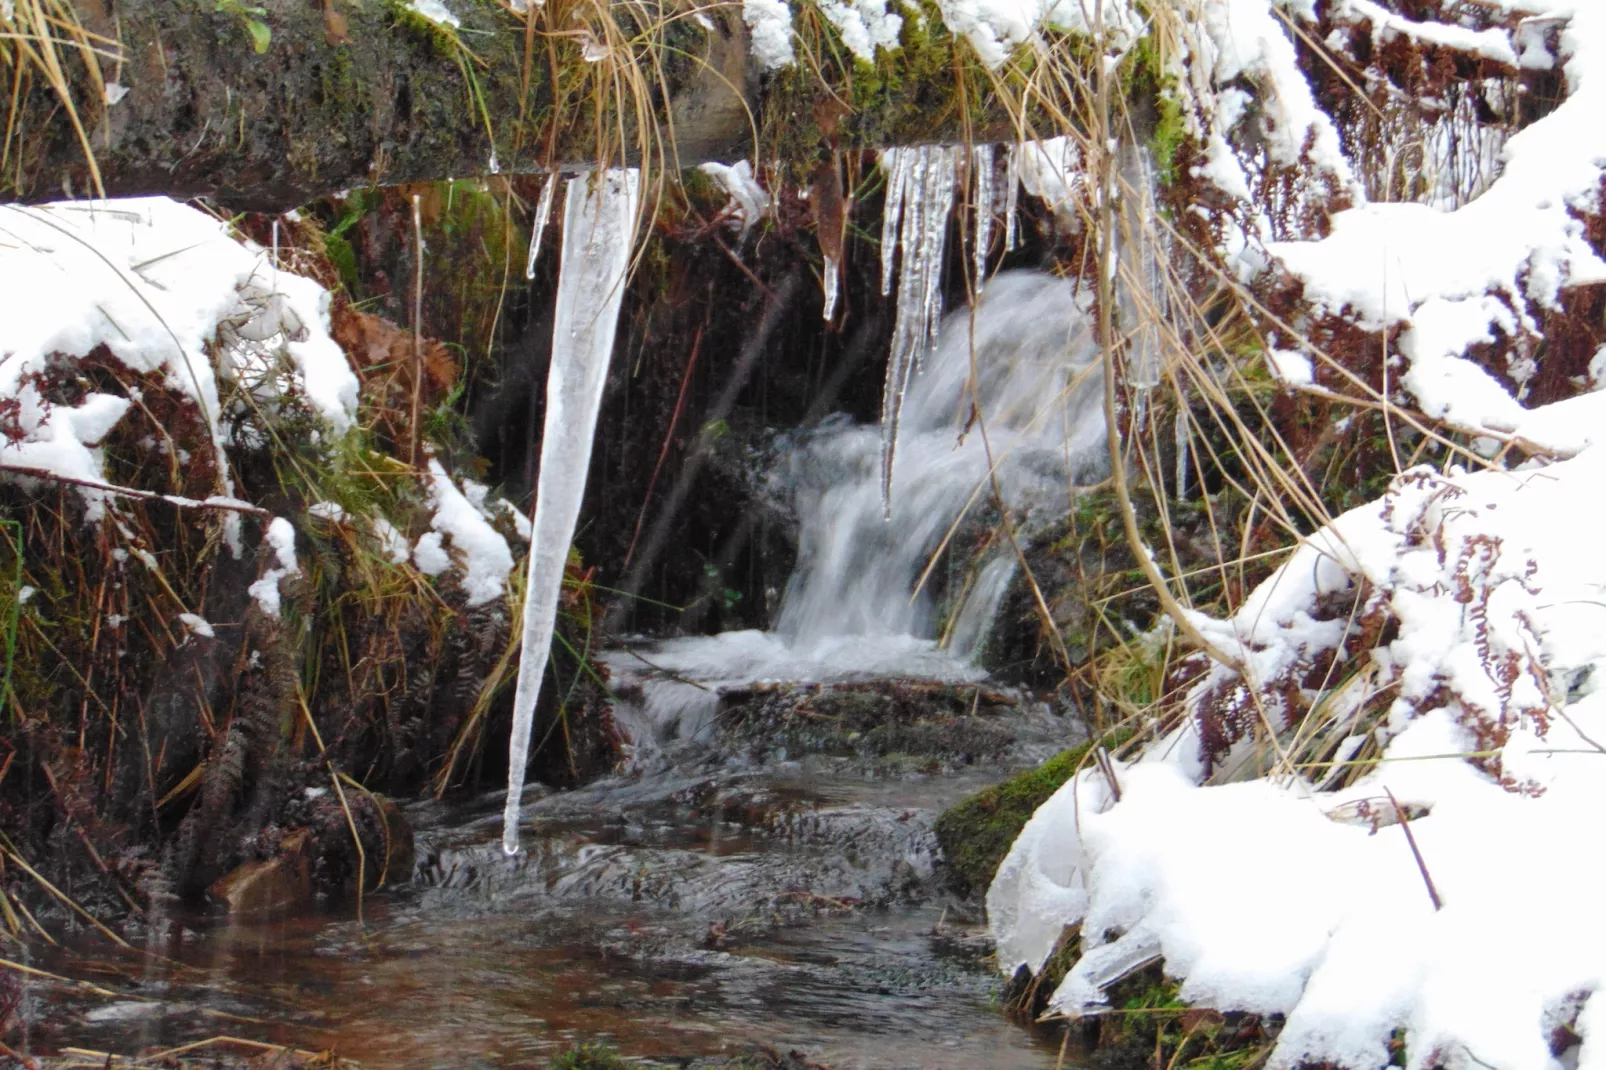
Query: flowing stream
x,y
862,601
765,871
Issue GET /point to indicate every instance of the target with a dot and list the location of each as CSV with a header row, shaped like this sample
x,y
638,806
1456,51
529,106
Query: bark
x,y
349,94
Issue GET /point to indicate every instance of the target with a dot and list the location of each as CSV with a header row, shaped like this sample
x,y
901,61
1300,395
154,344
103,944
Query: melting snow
x,y
484,554
281,536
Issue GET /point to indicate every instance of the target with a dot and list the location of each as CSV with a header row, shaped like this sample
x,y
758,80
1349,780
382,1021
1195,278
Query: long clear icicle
x,y
599,228
543,212
925,200
938,202
1012,199
981,162
895,162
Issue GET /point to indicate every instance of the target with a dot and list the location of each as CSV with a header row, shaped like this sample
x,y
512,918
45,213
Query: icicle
x,y
927,200
832,271
598,231
1012,199
895,162
543,212
1183,439
1139,280
938,203
981,161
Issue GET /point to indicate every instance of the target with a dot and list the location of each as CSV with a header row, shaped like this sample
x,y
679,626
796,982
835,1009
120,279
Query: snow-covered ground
x,y
1479,933
168,289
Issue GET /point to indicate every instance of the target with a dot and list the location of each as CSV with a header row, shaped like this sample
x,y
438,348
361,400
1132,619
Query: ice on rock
x,y
599,225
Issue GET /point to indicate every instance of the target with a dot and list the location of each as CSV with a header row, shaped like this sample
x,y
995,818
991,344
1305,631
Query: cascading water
x,y
856,606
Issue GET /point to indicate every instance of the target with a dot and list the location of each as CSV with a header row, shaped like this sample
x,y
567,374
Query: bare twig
x,y
177,500
1405,826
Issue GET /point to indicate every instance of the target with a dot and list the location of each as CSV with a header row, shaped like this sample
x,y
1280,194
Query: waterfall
x,y
855,606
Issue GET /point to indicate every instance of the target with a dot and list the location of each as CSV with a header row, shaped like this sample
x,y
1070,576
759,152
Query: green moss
x,y
589,1057
1146,82
976,834
1169,134
927,83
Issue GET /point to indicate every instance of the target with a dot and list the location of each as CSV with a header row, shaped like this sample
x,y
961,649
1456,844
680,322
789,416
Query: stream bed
x,y
774,883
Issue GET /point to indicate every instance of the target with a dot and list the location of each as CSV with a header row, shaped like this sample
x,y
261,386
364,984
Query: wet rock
x,y
281,883
937,725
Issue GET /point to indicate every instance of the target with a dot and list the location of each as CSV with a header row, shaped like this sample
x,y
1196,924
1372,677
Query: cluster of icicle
x,y
599,225
922,184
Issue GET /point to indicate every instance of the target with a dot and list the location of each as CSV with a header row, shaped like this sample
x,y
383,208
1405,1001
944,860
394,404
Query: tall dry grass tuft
x,y
39,40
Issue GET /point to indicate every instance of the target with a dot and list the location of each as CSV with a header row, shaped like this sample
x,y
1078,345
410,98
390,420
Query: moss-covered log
x,y
267,104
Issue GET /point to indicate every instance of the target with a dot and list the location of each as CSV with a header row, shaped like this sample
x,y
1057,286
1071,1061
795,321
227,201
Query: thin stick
x,y
177,500
418,332
1405,827
67,900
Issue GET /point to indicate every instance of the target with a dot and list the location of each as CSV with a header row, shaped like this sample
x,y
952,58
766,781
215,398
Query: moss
x,y
1170,131
929,82
976,834
589,1057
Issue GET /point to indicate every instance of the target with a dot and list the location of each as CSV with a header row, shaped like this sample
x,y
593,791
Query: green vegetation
x,y
591,1056
976,834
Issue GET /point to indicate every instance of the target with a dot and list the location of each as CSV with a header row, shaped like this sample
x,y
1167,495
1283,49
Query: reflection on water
x,y
688,913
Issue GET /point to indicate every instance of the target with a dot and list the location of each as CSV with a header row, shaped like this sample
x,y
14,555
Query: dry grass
x,y
36,39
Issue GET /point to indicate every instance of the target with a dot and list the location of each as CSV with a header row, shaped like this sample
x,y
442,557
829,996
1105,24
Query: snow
x,y
161,285
1489,44
197,624
1452,278
392,542
281,538
430,556
995,28
599,226
1269,887
436,12
769,26
865,25
480,550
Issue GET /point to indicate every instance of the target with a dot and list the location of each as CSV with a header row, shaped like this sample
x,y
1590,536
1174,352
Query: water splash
x,y
600,215
855,606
